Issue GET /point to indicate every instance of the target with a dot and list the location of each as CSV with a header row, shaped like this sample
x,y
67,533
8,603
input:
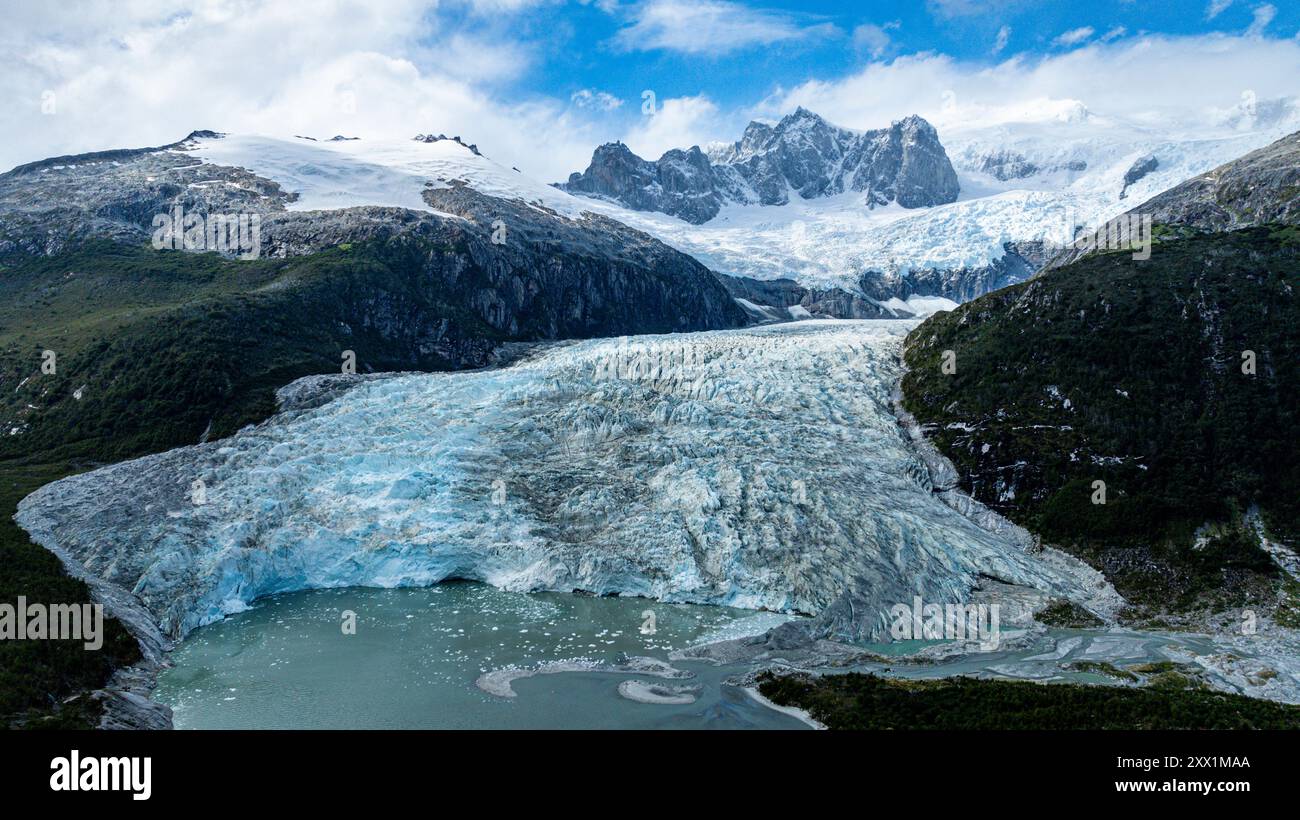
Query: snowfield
x,y
350,173
1079,165
755,468
830,242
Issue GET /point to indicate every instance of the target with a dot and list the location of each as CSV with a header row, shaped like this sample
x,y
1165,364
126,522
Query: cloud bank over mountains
x,y
146,72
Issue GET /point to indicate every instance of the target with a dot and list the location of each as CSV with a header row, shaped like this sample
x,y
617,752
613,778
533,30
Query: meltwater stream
x,y
416,654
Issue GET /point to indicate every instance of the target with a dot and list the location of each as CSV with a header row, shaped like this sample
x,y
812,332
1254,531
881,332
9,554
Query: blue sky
x,y
539,83
736,52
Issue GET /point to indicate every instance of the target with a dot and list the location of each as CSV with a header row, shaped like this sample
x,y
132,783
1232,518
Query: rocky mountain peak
x,y
802,118
473,149
802,153
917,127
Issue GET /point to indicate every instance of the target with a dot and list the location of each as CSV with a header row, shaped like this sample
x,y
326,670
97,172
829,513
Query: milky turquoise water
x,y
416,653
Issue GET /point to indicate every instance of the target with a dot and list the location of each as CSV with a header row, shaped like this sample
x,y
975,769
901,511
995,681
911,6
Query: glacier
x,y
763,468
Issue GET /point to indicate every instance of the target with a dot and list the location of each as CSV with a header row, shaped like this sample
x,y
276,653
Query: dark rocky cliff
x,y
802,154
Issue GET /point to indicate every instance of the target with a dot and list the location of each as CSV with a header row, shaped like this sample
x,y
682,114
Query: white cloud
x,y
147,72
1171,84
710,27
591,98
498,7
473,59
1004,34
680,122
1074,36
1263,16
1216,8
873,39
1114,34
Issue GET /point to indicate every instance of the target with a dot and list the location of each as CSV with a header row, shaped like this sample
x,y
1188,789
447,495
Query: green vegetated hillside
x,y
41,681
163,346
858,701
1131,373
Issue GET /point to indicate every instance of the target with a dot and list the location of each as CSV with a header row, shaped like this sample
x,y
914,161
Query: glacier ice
x,y
760,468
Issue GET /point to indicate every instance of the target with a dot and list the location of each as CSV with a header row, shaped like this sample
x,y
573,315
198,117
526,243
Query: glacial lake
x,y
417,653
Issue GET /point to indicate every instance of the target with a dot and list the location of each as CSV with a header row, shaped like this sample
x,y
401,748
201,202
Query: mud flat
x,y
657,693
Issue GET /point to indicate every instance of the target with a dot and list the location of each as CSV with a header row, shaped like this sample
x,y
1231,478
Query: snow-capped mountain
x,y
1256,189
801,217
802,155
1028,185
482,259
292,181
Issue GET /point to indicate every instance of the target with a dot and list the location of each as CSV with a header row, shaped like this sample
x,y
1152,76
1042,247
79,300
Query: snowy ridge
x,y
831,242
1079,167
349,173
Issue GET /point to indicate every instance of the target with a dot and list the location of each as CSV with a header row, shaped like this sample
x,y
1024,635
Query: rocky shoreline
x,y
125,700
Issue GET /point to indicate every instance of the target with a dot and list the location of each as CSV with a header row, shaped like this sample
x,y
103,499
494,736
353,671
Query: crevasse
x,y
758,468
